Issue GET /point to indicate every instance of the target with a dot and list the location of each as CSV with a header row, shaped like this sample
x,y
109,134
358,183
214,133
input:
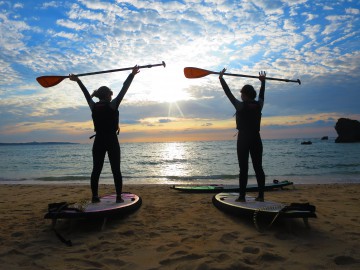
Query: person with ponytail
x,y
248,118
105,117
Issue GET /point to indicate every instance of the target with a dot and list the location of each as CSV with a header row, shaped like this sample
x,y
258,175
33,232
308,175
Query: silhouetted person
x,y
105,116
248,118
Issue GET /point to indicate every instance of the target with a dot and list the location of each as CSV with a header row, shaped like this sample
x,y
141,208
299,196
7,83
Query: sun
x,y
167,85
170,86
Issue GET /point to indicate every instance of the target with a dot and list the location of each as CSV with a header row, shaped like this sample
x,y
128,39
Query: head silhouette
x,y
248,91
102,93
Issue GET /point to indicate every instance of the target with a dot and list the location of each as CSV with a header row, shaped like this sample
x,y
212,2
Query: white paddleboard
x,y
105,208
227,203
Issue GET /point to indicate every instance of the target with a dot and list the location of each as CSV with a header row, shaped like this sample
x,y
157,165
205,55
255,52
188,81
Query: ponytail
x,y
102,92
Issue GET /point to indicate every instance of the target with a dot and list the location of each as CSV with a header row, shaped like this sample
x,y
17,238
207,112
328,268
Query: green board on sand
x,y
230,188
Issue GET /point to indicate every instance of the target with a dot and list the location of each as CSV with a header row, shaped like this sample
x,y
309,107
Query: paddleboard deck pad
x,y
227,202
230,188
107,207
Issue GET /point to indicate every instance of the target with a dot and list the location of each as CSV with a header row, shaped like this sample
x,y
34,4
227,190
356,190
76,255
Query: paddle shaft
x,y
119,69
257,77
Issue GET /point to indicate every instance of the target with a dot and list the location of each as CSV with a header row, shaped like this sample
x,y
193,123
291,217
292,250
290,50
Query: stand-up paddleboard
x,y
267,209
230,188
107,207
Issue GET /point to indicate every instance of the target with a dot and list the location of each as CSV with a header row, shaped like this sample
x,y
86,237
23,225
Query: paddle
x,y
192,73
49,81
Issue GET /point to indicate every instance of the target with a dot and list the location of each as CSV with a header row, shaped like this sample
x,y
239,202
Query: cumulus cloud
x,y
354,11
51,4
18,5
70,24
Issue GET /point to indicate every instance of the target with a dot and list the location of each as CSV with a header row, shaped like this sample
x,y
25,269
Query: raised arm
x,y
227,90
126,86
83,89
262,78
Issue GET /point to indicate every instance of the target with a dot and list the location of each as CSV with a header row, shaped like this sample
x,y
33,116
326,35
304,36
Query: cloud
x,y
8,76
51,4
165,121
66,35
310,16
288,38
270,7
18,5
354,11
70,24
326,7
12,37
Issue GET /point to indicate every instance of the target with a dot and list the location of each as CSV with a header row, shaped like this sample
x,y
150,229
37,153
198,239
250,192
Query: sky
x,y
314,41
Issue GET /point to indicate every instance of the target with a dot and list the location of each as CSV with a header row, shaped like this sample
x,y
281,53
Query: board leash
x,y
62,206
54,220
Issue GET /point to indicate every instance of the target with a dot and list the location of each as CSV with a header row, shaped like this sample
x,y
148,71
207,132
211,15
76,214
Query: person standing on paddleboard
x,y
248,118
105,116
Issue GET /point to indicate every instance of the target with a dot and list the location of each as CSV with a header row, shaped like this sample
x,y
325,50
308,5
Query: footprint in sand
x,y
178,253
17,234
251,250
162,248
116,262
127,233
85,263
345,260
191,238
167,247
270,257
188,257
228,237
223,257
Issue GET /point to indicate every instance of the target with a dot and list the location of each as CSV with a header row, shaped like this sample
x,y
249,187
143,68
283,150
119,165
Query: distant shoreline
x,y
37,143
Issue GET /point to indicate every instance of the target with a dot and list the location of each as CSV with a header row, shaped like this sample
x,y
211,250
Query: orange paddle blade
x,y
48,81
192,73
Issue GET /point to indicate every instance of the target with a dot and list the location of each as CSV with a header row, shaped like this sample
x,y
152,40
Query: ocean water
x,y
324,161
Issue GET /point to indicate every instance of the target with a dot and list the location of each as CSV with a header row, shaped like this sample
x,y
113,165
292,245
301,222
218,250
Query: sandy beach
x,y
174,230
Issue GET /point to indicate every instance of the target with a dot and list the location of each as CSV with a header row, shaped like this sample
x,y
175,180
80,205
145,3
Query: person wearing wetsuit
x,y
248,118
105,117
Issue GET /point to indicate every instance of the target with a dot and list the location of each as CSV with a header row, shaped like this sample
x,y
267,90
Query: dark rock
x,y
307,142
348,130
325,138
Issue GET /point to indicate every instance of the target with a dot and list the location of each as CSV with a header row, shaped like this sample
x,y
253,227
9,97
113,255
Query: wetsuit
x,y
248,118
106,120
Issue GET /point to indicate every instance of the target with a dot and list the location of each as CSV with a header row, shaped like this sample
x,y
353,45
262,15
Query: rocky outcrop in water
x,y
348,130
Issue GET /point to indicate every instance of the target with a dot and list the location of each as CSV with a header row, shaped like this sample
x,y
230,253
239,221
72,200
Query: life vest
x,y
248,119
106,120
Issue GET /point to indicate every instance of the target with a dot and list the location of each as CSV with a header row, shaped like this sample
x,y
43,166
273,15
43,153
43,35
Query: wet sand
x,y
174,230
